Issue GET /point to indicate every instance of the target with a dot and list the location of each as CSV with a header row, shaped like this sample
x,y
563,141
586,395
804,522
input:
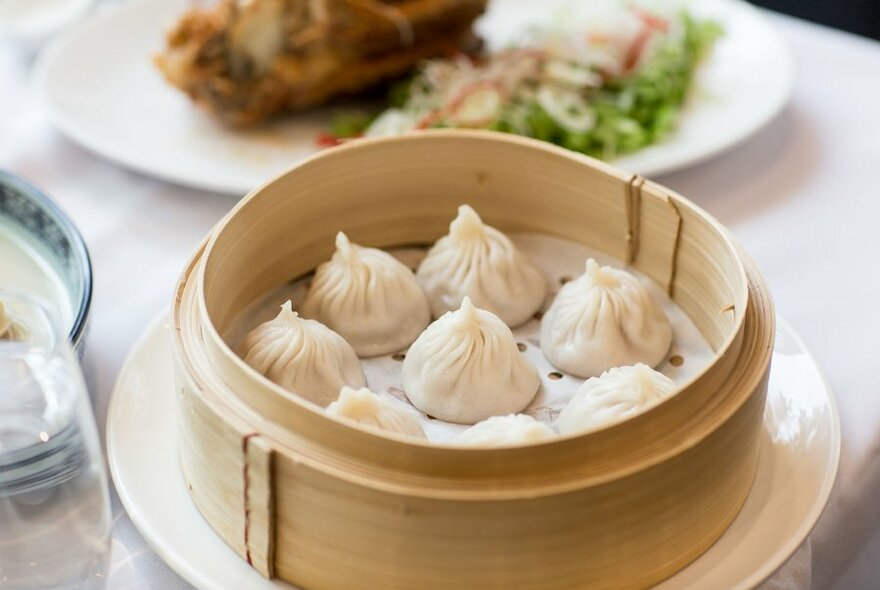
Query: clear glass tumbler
x,y
54,506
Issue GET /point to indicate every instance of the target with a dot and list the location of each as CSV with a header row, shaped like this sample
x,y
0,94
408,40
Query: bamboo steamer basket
x,y
323,505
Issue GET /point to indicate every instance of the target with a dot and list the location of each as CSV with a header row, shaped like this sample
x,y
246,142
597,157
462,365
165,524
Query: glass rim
x,y
84,261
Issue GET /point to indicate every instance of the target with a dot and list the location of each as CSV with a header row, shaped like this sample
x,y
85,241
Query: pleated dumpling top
x,y
477,261
605,318
466,367
303,356
368,297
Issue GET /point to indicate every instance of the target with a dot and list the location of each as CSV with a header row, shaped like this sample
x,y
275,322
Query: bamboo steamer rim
x,y
361,144
367,143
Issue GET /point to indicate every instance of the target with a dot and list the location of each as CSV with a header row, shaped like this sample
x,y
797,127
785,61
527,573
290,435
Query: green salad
x,y
601,92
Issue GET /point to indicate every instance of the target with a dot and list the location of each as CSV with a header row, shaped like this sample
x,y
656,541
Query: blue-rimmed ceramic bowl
x,y
30,218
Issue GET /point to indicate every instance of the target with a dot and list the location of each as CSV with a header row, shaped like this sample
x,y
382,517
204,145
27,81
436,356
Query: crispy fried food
x,y
246,60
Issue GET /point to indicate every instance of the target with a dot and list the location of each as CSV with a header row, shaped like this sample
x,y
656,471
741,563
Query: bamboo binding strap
x,y
258,503
670,286
653,233
633,206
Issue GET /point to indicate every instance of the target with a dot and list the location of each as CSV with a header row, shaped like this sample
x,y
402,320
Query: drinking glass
x,y
54,506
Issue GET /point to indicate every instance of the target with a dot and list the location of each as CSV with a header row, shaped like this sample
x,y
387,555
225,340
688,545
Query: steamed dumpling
x,y
480,262
303,356
368,409
466,367
605,318
619,393
369,297
499,431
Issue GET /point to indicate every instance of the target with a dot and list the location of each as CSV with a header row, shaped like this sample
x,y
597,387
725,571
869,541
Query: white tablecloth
x,y
801,196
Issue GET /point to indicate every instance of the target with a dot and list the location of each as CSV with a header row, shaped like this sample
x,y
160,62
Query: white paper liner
x,y
561,260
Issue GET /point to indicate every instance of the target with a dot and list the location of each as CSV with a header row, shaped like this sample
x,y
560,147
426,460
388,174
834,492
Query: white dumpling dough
x,y
619,393
368,297
368,409
303,356
480,262
605,318
466,367
500,431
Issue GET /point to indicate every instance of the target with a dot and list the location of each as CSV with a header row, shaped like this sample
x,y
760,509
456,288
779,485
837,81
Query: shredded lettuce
x,y
639,109
350,123
554,97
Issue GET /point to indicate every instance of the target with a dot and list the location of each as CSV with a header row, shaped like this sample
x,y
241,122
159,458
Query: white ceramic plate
x,y
103,92
800,448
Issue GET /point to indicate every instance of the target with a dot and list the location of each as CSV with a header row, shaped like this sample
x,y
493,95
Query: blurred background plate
x,y
800,449
116,104
28,24
43,254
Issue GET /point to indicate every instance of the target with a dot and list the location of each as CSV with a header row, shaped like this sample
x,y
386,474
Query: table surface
x,y
800,196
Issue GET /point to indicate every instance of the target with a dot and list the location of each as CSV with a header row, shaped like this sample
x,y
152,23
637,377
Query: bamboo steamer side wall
x,y
210,447
228,472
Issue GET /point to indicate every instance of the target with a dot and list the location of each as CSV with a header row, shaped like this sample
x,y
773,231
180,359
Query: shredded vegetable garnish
x,y
602,93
